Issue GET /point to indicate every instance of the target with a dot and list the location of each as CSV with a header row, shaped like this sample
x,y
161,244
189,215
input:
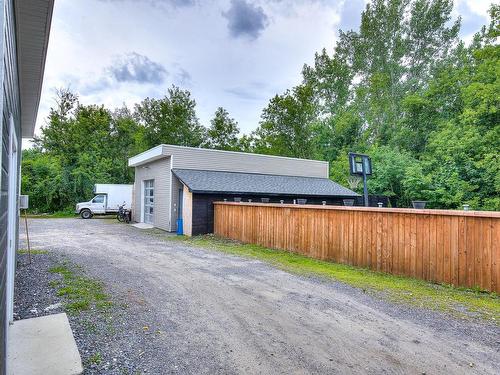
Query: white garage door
x,y
149,201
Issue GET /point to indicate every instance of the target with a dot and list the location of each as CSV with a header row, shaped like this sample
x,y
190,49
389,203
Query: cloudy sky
x,y
231,53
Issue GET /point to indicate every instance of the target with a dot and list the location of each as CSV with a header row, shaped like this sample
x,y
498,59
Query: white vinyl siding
x,y
197,158
159,171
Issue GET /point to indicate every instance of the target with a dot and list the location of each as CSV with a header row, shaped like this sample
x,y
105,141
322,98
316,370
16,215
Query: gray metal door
x,y
149,201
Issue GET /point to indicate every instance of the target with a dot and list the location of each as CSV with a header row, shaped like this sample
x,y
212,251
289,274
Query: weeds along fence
x,y
461,248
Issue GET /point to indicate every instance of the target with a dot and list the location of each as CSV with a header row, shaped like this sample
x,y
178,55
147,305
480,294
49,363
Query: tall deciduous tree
x,y
223,132
78,147
392,55
170,120
462,160
286,127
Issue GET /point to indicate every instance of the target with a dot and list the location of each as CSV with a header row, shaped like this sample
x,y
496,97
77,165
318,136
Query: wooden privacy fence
x,y
453,247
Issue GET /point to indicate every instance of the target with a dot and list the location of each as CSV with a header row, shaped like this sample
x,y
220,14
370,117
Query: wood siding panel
x,y
452,247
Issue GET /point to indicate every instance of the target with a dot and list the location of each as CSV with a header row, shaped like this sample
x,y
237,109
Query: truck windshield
x,y
98,199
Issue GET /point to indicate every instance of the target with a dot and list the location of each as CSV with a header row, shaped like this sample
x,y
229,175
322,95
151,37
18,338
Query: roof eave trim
x,y
27,80
213,192
148,156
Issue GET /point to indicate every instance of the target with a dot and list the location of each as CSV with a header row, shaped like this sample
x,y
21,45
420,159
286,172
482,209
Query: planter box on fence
x,y
419,204
348,202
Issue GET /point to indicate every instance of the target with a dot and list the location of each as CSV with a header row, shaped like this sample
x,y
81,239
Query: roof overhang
x,y
33,19
148,156
238,183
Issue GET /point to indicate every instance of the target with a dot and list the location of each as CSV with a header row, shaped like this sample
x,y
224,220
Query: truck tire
x,y
86,213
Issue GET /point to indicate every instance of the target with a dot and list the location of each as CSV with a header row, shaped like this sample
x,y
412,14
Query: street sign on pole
x,y
361,165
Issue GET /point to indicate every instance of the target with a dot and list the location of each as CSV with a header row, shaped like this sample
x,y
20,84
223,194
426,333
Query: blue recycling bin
x,y
180,229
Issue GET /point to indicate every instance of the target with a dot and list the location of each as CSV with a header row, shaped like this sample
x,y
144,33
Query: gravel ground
x,y
179,309
33,294
99,334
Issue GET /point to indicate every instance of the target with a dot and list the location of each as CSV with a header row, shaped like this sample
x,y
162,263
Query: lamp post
x,y
361,165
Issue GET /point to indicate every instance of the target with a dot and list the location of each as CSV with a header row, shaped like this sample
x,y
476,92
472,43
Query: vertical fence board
x,y
446,249
462,252
426,235
421,234
470,242
432,247
454,234
486,259
495,255
439,248
478,253
395,244
401,245
407,267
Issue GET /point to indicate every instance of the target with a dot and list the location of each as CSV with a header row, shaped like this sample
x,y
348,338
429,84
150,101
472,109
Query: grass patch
x,y
52,215
95,359
459,302
33,251
80,292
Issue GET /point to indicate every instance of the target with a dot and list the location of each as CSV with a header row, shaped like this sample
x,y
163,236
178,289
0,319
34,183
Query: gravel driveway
x,y
190,310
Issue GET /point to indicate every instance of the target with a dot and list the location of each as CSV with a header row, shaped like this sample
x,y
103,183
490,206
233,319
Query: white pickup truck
x,y
106,200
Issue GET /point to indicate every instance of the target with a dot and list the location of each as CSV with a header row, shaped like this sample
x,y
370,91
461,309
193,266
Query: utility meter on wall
x,y
23,202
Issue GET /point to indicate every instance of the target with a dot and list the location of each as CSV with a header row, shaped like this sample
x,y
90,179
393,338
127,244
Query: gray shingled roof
x,y
199,181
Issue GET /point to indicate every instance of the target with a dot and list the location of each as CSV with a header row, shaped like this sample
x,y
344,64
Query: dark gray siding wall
x,y
10,107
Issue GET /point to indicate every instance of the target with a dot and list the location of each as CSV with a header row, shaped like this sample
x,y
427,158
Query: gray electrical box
x,y
23,202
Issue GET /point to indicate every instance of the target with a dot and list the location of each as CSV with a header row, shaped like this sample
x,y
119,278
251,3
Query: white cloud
x,y
474,14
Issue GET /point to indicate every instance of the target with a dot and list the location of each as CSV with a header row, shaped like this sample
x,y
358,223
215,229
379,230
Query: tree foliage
x,y
286,127
223,132
402,88
82,145
170,120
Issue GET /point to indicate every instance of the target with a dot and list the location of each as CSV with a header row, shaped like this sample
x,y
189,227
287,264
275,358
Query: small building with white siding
x,y
176,182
